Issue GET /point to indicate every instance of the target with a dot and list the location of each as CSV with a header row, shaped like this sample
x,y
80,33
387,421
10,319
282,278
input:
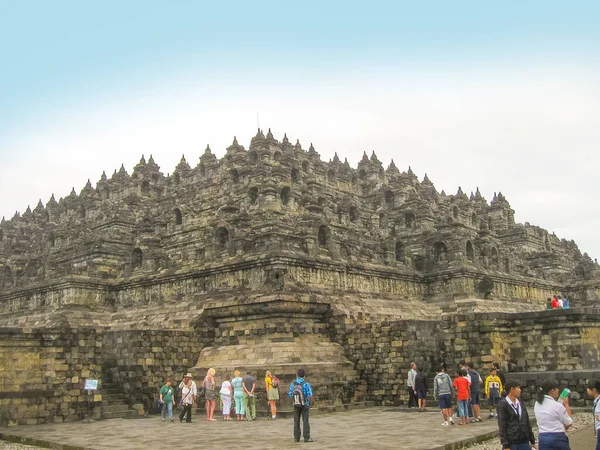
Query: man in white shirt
x,y
410,384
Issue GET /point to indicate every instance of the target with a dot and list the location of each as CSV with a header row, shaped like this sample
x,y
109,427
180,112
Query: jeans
x,y
304,412
598,441
250,405
167,407
463,408
412,397
187,409
239,403
553,441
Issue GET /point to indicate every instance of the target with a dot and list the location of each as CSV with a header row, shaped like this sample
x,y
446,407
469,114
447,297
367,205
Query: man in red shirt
x,y
463,392
555,302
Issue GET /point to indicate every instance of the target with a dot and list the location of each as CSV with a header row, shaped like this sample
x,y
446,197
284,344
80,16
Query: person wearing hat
x,y
188,397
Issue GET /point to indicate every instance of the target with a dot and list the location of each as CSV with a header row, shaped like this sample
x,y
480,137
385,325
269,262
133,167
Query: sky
x,y
504,97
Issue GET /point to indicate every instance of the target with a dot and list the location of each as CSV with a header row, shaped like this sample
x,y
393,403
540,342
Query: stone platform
x,y
371,428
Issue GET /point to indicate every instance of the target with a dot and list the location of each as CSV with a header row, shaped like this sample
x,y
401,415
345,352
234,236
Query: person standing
x,y
493,388
513,421
442,388
188,397
167,400
593,390
421,389
226,394
410,384
553,418
238,395
210,394
463,389
475,391
301,394
272,387
500,375
249,384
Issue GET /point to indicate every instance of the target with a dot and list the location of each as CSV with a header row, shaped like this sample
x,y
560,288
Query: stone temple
x,y
271,259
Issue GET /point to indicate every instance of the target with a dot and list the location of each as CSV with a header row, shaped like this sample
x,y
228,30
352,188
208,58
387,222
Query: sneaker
x,y
445,424
163,420
171,420
491,415
451,421
478,419
309,440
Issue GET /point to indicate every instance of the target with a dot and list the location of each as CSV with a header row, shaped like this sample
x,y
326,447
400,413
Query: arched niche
x,y
253,195
353,214
295,174
235,176
222,238
145,187
137,258
440,252
285,195
470,251
324,236
388,197
177,216
410,221
399,251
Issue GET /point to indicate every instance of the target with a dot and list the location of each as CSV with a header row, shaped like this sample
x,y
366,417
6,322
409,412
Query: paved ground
x,y
371,428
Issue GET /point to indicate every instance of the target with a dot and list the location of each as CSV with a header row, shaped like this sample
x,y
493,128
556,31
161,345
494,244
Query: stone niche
x,y
279,333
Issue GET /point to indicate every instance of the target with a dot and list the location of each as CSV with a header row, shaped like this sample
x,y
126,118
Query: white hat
x,y
188,375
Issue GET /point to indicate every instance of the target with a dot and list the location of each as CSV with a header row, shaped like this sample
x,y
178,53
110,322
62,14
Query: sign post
x,y
90,386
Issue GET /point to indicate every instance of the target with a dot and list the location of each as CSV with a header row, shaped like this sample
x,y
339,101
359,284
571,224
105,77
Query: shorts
x,y
463,408
493,401
210,394
474,398
421,395
445,401
273,394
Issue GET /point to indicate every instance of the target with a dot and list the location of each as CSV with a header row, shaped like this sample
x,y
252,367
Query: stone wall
x,y
139,361
42,375
541,341
575,380
382,352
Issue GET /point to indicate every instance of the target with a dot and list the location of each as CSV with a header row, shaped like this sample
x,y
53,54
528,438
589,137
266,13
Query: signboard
x,y
91,385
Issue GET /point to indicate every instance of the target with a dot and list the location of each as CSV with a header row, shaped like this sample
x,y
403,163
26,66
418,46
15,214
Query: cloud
x,y
531,134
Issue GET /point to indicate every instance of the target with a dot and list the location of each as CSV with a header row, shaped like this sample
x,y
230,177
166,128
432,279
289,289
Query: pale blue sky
x,y
501,96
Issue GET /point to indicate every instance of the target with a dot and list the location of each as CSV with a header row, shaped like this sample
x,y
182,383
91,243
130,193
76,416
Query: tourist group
x,y
237,396
551,409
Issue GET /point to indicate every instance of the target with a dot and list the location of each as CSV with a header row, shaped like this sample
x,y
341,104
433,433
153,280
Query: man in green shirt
x,y
167,400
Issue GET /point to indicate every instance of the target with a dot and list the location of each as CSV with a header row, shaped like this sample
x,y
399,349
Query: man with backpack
x,y
301,394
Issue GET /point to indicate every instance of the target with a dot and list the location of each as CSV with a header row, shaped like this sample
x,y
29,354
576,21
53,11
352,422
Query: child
x,y
493,389
167,400
463,389
226,392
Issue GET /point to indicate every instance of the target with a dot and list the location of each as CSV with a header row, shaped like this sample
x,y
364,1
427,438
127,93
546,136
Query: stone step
x,y
113,398
110,391
116,407
128,414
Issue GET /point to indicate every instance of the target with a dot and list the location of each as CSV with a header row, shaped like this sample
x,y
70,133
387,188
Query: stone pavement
x,y
370,428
